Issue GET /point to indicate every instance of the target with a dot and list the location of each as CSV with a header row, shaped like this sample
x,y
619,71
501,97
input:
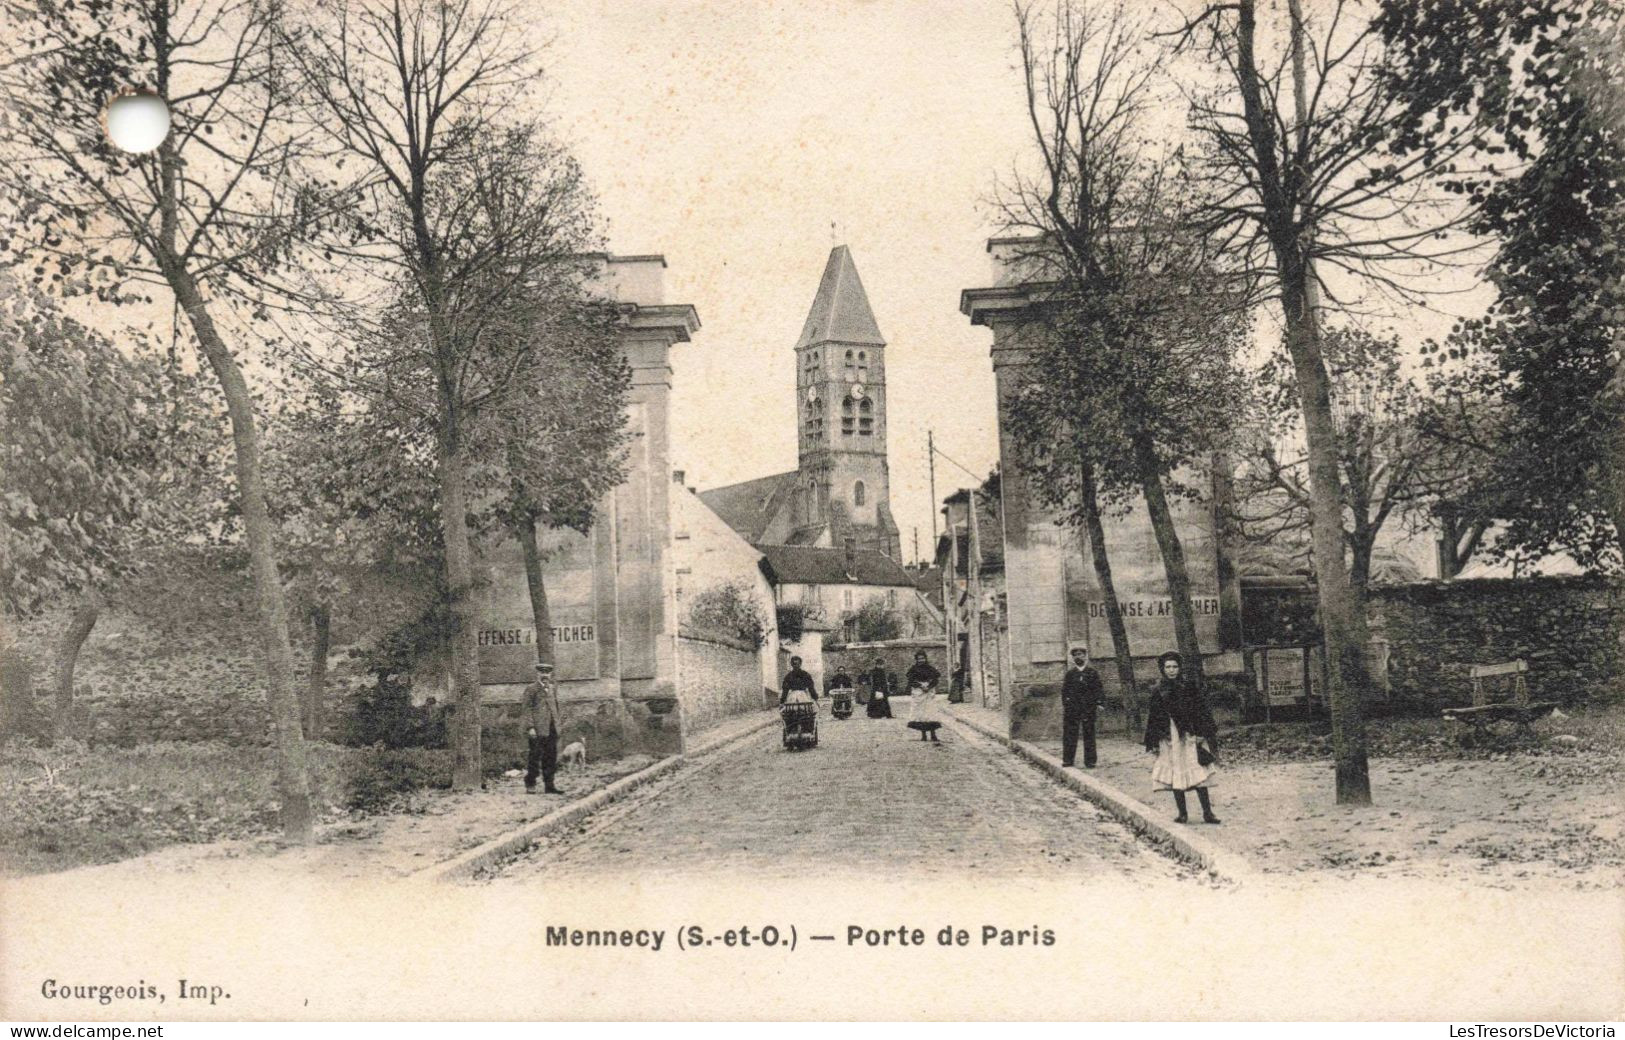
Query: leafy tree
x,y
729,609
792,619
874,622
91,445
356,519
471,209
208,216
1296,141
1130,377
1541,377
564,439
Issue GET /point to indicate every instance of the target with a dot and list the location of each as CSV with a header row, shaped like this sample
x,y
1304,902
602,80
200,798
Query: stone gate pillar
x,y
611,592
1054,600
644,577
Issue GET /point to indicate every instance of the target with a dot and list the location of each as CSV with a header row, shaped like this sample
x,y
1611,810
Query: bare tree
x,y
471,211
1390,471
208,216
1303,182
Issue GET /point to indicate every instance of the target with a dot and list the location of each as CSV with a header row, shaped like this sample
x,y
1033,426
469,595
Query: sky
x,y
743,141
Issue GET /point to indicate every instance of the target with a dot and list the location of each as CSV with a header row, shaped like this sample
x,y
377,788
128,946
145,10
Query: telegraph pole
x,y
974,665
947,608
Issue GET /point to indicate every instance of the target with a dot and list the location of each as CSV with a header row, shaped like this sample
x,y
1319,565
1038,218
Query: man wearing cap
x,y
1081,694
542,720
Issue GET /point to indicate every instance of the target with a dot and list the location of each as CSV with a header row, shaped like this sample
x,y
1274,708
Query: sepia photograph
x,y
916,510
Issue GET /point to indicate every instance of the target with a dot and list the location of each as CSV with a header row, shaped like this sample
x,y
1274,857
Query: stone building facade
x,y
1053,601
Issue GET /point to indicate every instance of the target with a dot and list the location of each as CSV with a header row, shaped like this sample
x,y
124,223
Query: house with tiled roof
x,y
834,584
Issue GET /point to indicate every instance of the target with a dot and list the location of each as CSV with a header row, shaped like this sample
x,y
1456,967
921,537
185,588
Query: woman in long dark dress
x,y
879,706
1180,731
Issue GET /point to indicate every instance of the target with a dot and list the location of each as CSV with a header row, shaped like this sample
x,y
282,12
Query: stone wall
x,y
720,679
856,659
1571,630
137,682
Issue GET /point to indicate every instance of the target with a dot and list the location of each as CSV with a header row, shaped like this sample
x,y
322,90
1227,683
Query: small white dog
x,y
574,753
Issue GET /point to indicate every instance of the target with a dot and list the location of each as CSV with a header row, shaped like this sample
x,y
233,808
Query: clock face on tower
x,y
857,391
812,395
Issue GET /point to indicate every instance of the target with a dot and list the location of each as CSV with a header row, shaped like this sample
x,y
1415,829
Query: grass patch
x,y
70,806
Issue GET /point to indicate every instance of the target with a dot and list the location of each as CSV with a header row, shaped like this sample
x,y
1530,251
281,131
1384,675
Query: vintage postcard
x,y
855,509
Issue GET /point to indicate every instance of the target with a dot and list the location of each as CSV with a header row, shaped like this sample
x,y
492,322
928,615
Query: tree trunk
x,y
1090,498
1614,466
1616,501
321,624
1223,488
1457,544
466,769
1341,621
293,784
1362,543
538,593
67,657
1173,555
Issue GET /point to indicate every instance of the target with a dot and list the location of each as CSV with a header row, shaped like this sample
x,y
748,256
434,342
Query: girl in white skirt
x,y
1181,732
925,716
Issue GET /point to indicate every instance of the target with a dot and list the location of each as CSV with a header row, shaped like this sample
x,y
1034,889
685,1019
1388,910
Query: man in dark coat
x,y
1081,694
797,678
542,719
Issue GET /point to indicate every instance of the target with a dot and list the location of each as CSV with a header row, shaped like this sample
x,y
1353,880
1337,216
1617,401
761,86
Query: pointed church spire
x,y
840,312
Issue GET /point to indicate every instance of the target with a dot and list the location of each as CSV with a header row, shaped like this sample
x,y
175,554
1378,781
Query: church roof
x,y
817,565
840,311
748,507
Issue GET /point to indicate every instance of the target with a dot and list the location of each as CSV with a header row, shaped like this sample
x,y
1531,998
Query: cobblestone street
x,y
870,797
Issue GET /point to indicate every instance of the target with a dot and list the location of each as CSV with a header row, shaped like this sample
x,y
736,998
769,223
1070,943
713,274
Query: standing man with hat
x,y
1081,694
542,718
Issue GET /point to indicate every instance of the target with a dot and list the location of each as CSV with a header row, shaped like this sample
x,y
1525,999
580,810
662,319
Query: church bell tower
x,y
843,485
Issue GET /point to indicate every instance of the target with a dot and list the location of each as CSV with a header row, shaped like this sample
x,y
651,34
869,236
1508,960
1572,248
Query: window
x,y
815,419
891,599
857,493
847,595
849,355
863,355
848,420
866,418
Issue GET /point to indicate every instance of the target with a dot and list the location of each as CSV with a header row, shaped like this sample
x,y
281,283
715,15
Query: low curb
x,y
503,846
1131,812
